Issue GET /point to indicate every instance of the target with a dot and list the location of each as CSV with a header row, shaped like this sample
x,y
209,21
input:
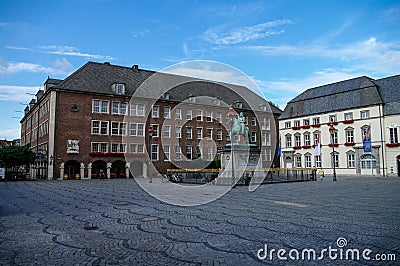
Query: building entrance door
x,y
72,169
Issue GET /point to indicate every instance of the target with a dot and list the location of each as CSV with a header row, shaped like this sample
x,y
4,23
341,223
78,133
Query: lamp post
x,y
150,131
231,118
332,132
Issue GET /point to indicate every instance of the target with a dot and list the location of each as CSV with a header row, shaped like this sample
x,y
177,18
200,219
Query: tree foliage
x,y
11,156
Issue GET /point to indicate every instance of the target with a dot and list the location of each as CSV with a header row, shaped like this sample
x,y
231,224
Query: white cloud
x,y
22,94
244,34
72,51
137,34
282,91
368,55
61,66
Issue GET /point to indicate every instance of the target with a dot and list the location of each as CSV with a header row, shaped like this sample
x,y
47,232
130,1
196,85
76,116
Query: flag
x,y
279,148
317,151
367,140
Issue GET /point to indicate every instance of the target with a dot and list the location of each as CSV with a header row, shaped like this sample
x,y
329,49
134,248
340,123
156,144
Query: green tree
x,y
11,156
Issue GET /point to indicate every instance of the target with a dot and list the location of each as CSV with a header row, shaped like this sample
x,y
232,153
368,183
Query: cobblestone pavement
x,y
114,222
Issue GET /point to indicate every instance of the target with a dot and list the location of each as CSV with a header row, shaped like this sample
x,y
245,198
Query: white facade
x,y
299,135
392,146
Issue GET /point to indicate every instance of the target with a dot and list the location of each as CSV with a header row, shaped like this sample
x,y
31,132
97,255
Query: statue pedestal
x,y
245,158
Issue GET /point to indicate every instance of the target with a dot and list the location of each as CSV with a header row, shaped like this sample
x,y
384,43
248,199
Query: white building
x,y
353,107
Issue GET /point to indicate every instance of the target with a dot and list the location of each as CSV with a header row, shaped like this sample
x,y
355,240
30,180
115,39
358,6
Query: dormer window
x,y
118,88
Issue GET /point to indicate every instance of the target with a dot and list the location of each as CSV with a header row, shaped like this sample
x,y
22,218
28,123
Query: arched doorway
x,y
71,169
398,165
118,169
368,164
136,168
96,166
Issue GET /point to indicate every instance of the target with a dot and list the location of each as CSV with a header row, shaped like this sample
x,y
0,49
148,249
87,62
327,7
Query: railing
x,y
263,176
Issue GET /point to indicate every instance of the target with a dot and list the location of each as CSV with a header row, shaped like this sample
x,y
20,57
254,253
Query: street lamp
x,y
231,118
150,131
332,132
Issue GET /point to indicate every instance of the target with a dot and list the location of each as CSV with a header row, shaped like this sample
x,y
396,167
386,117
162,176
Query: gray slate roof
x,y
347,94
389,89
97,78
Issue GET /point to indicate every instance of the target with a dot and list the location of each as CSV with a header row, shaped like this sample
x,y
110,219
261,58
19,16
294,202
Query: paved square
x,y
114,222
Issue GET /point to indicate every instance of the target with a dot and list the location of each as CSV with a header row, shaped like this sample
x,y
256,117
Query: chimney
x,y
135,67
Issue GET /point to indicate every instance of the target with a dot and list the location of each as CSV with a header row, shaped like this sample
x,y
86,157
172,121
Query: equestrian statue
x,y
239,127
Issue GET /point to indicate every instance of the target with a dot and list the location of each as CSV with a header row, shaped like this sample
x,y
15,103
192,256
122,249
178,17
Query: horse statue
x,y
239,128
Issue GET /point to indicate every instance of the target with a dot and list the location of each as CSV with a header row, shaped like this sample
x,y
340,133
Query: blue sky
x,y
285,46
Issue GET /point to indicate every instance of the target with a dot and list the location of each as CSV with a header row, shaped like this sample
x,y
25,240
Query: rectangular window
x,y
103,127
95,127
199,133
178,153
287,124
351,160
155,111
178,130
199,116
154,152
133,129
104,107
118,147
318,163
189,151
254,137
336,160
123,108
316,136
307,141
306,122
289,141
253,121
178,113
316,121
188,132
348,116
219,117
209,133
133,109
209,116
140,130
96,106
332,118
308,161
166,131
114,128
210,154
140,148
155,130
115,108
296,123
99,147
364,114
133,148
219,134
349,136
298,161
167,112
189,114
199,152
334,136
393,135
297,140
166,149
140,110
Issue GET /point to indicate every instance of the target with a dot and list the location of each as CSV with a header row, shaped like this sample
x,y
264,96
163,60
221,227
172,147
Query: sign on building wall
x,y
73,146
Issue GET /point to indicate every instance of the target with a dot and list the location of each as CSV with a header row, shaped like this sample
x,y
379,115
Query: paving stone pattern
x,y
114,222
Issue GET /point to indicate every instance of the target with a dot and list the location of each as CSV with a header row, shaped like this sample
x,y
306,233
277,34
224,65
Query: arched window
x,y
368,161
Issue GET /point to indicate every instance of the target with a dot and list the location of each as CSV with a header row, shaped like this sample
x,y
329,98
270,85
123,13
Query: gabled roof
x,y
389,89
98,78
347,94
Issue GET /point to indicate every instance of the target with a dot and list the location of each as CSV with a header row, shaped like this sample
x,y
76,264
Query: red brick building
x,y
97,119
